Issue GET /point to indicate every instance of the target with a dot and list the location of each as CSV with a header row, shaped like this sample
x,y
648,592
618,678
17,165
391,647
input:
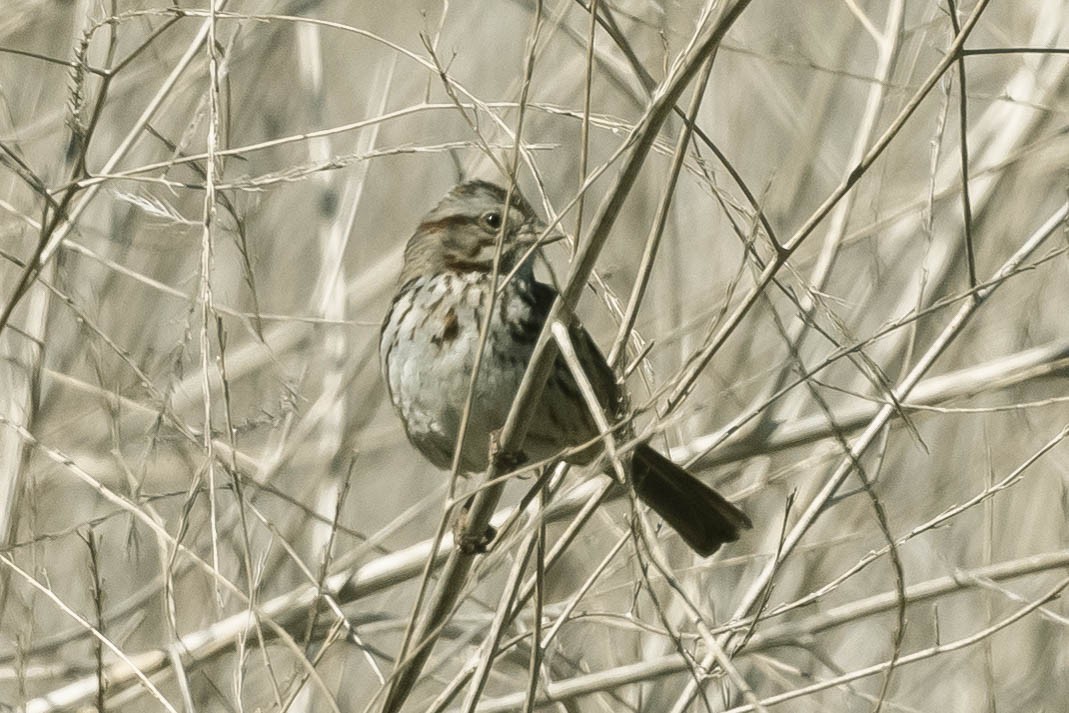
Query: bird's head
x,y
461,233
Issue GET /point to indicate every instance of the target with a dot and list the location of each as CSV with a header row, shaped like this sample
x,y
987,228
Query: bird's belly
x,y
429,355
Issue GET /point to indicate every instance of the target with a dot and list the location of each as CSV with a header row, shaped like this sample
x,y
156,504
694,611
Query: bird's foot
x,y
468,542
504,461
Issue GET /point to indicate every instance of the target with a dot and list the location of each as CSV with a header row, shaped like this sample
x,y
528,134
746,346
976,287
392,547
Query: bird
x,y
430,337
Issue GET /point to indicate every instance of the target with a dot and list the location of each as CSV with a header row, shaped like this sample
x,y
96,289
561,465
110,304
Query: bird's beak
x,y
536,233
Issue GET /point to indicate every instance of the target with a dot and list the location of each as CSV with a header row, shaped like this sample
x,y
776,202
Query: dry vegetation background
x,y
207,504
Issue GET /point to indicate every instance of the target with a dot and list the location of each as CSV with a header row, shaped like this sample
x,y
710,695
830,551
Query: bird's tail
x,y
703,517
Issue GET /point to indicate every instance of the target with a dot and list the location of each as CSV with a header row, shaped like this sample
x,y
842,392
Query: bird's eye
x,y
492,220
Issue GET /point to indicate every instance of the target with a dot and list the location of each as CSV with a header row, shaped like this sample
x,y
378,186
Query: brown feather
x,y
703,517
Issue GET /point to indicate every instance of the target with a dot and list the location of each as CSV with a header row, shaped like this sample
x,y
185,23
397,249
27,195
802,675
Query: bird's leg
x,y
477,543
504,461
468,542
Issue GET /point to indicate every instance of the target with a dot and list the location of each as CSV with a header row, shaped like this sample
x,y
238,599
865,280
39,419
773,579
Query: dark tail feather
x,y
702,517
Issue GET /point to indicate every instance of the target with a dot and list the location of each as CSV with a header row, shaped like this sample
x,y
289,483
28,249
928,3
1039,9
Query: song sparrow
x,y
431,333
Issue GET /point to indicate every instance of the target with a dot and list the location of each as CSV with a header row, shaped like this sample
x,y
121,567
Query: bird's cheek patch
x,y
486,252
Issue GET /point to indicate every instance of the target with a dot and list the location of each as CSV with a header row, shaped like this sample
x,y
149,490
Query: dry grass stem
x,y
823,244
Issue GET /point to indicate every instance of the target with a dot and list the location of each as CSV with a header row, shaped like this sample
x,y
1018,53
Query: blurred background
x,y
201,222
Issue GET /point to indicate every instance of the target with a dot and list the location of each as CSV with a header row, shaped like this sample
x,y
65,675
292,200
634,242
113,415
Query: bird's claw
x,y
504,461
468,542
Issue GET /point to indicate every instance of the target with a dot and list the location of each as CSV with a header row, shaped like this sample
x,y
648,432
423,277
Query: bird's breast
x,y
429,346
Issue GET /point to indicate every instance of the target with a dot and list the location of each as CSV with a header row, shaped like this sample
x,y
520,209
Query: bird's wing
x,y
598,372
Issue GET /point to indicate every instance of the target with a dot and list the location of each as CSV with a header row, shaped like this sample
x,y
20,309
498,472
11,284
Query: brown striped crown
x,y
461,233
